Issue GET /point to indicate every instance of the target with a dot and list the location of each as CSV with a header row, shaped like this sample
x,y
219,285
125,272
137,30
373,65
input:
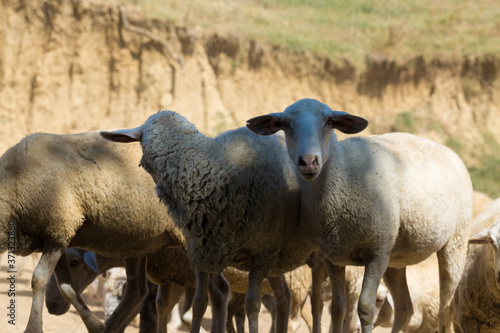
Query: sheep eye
x,y
330,122
285,124
73,262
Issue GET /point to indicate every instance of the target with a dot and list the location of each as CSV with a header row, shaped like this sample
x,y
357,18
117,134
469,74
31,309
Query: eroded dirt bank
x,y
71,66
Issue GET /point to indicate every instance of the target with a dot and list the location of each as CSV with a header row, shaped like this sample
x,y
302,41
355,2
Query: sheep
x,y
478,294
384,202
61,191
114,290
236,199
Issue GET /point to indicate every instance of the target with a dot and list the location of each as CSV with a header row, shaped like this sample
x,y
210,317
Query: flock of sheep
x,y
261,216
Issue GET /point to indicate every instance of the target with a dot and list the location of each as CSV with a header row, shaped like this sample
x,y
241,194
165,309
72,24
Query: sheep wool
x,y
52,184
235,197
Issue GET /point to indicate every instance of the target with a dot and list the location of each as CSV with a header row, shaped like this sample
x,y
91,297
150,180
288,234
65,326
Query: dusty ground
x,y
71,322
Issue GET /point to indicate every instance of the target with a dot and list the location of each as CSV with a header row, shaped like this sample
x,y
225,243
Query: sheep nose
x,y
57,308
308,160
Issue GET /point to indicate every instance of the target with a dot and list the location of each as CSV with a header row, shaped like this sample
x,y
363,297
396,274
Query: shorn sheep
x,y
82,191
477,297
235,197
384,202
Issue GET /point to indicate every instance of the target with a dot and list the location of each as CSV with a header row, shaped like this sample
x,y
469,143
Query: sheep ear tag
x,y
89,259
124,135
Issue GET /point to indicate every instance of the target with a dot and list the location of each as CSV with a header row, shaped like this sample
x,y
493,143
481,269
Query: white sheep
x,y
385,201
114,289
236,199
81,191
477,297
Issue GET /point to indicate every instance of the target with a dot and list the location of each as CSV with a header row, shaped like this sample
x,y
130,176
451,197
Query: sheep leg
x,y
374,270
282,298
136,290
218,291
41,276
165,302
239,317
338,306
252,299
200,300
270,305
162,301
65,284
305,313
451,260
234,306
186,316
147,313
395,279
318,276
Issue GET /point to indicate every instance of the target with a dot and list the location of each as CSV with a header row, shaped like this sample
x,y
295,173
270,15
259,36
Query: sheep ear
x,y
347,123
482,237
266,125
124,135
89,259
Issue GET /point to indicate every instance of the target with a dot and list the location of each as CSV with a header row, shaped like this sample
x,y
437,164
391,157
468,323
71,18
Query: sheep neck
x,y
193,162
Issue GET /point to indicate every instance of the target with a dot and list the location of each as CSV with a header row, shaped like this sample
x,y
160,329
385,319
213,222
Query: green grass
x,y
350,29
485,173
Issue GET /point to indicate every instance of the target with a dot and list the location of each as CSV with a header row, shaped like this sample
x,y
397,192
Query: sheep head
x,y
83,269
308,126
491,237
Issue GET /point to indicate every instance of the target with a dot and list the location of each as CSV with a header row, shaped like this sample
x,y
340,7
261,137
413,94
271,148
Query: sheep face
x,y
491,237
83,271
308,126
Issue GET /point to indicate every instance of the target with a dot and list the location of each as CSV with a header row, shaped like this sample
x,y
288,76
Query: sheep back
x,y
405,193
55,183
